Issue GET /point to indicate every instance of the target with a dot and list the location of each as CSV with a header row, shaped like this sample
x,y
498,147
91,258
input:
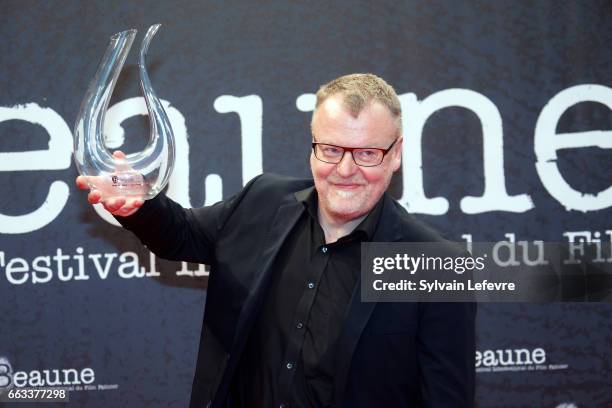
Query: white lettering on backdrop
x,y
250,112
547,141
56,157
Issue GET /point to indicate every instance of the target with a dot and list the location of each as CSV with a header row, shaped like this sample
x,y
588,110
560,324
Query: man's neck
x,y
335,229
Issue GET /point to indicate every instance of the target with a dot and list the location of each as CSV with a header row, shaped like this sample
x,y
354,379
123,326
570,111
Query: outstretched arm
x,y
165,227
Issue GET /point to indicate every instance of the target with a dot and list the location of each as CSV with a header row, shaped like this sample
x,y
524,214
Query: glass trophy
x,y
143,174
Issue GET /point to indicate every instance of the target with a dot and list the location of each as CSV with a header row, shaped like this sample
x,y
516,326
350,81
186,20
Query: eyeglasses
x,y
362,156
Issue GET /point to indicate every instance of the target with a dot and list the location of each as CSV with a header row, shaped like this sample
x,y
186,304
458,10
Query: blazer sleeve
x,y
446,354
182,234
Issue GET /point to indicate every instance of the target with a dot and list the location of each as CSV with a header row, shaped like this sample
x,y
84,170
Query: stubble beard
x,y
347,205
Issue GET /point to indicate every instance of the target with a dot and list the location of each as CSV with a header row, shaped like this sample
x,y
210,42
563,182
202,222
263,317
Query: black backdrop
x,y
81,295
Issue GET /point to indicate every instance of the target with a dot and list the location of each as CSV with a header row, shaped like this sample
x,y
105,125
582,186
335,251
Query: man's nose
x,y
347,166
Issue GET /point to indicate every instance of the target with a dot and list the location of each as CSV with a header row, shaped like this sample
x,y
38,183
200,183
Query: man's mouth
x,y
346,186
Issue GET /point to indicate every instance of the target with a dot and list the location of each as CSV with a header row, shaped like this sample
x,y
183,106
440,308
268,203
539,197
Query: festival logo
x,y
516,359
71,379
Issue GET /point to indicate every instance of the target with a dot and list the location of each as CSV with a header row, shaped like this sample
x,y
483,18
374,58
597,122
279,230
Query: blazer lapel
x,y
358,312
285,218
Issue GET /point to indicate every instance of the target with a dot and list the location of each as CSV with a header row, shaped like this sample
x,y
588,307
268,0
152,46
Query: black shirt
x,y
289,357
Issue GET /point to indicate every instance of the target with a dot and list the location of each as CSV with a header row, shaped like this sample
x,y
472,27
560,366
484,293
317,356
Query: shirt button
x,y
289,366
324,249
299,325
311,285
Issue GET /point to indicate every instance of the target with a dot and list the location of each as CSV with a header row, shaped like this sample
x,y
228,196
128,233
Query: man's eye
x,y
367,154
331,150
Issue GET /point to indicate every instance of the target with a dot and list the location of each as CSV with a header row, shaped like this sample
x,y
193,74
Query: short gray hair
x,y
359,90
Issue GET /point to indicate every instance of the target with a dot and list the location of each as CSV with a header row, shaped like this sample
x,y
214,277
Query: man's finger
x,y
134,203
82,183
114,204
94,197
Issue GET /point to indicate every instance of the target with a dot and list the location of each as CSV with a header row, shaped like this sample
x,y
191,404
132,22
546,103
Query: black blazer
x,y
388,355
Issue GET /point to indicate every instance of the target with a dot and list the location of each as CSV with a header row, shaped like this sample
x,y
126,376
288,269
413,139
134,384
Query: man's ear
x,y
397,153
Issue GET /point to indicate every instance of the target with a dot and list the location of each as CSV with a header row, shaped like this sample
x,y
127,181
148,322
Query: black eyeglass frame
x,y
351,149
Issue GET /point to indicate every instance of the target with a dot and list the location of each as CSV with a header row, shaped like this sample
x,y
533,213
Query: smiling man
x,y
349,185
284,325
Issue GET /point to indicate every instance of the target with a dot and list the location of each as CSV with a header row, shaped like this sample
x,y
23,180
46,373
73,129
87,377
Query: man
x,y
284,325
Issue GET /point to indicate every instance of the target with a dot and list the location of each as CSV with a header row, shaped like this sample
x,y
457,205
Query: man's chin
x,y
347,194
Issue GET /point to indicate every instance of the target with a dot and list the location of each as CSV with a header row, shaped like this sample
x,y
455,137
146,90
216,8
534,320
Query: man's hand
x,y
118,205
